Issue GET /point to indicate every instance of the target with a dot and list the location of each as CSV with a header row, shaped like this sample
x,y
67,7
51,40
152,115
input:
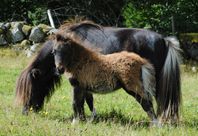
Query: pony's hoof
x,y
25,111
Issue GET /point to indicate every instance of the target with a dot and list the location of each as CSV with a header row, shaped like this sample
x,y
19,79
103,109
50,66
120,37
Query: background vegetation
x,y
155,14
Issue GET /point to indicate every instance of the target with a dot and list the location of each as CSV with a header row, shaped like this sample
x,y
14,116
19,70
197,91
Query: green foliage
x,y
154,16
160,14
38,15
134,17
31,11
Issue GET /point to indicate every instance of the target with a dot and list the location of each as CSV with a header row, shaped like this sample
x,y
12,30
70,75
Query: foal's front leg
x,y
89,101
79,96
78,104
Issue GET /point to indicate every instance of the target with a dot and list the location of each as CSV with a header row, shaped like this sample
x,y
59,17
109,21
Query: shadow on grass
x,y
118,117
113,116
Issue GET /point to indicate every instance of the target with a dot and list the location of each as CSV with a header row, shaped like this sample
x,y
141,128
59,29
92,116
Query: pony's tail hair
x,y
23,88
169,95
148,80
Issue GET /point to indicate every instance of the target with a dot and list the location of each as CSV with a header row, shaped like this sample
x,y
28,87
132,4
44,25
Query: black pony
x,y
37,80
162,52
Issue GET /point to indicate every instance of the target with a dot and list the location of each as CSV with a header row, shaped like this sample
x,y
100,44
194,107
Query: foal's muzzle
x,y
60,70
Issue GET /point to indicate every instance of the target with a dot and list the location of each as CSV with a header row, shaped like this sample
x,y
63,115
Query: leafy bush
x,y
133,17
162,16
154,16
38,15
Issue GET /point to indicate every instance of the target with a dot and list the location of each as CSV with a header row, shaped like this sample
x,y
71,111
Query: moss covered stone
x,y
26,29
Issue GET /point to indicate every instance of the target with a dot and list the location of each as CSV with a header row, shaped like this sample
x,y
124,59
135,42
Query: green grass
x,y
118,113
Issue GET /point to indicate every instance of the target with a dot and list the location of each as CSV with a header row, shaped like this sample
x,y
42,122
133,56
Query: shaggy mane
x,y
72,27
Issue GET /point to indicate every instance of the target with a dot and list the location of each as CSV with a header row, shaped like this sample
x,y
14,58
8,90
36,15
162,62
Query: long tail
x,y
148,79
169,95
38,80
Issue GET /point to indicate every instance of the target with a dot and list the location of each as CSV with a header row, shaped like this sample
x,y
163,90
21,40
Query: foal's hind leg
x,y
147,105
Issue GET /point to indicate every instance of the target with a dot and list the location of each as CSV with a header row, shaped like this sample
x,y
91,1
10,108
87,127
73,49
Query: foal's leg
x,y
89,100
147,105
87,96
78,104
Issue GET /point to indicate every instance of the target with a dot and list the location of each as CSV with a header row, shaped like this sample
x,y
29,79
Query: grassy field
x,y
118,113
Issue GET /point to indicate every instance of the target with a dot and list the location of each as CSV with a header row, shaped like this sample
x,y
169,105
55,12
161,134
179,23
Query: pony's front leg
x,y
78,104
25,109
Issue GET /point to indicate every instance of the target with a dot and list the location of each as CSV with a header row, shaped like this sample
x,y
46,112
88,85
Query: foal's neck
x,y
81,57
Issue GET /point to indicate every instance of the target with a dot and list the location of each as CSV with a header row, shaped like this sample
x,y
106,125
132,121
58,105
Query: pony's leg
x,y
78,104
89,101
147,106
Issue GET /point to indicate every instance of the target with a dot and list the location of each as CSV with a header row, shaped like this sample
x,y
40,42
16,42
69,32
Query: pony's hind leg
x,y
147,106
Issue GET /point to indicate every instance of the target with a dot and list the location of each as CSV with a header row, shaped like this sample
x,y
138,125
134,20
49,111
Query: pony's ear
x,y
59,37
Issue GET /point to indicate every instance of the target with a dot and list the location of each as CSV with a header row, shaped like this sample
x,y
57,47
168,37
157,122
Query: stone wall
x,y
17,32
20,35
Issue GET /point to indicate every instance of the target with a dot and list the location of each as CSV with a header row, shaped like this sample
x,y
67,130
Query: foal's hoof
x,y
93,115
78,120
75,121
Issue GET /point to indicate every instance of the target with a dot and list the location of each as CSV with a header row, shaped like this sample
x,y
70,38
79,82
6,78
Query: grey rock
x,y
17,34
33,49
25,44
8,25
29,53
17,24
36,35
45,28
2,40
26,29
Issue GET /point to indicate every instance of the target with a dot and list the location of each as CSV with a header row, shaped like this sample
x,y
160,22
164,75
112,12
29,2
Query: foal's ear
x,y
59,37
